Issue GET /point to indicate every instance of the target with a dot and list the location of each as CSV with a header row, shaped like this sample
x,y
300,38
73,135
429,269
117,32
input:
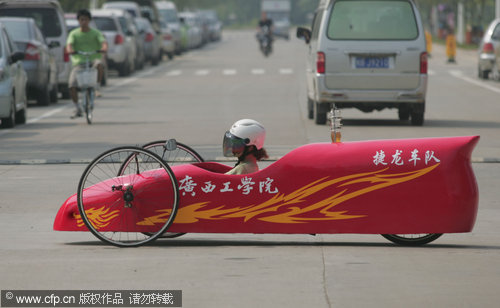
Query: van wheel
x,y
310,108
404,113
43,98
320,113
417,118
53,94
65,92
10,121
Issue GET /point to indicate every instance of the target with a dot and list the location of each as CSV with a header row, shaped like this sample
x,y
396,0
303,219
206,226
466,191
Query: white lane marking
x,y
258,71
123,82
173,73
201,72
229,72
431,72
46,115
459,74
286,71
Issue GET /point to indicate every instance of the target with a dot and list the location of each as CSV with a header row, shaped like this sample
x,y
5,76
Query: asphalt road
x,y
195,98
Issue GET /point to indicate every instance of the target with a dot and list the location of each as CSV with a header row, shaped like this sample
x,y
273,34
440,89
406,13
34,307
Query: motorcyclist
x,y
265,28
84,38
245,140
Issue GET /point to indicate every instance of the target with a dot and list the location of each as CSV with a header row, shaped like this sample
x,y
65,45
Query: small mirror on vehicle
x,y
171,145
54,44
304,33
17,56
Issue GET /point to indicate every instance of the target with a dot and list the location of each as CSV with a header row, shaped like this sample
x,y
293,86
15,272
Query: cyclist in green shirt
x,y
87,39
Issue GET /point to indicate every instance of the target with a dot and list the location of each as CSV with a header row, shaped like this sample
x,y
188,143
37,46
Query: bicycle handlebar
x,y
86,53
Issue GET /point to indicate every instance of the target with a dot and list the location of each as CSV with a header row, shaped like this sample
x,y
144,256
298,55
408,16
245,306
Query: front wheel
x,y
131,209
412,239
89,105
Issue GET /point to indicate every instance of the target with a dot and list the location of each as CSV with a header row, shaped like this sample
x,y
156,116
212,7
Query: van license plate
x,y
372,62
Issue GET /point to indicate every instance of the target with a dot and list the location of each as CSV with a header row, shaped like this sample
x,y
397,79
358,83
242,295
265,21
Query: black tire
x,y
412,239
54,94
10,121
43,98
482,74
21,116
310,108
65,92
320,112
404,113
89,105
183,154
131,206
417,118
124,69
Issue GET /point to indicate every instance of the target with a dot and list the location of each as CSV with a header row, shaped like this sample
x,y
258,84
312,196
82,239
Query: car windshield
x,y
17,29
372,20
104,24
45,18
169,15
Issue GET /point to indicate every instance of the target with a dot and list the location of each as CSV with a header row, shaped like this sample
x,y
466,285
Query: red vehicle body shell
x,y
384,186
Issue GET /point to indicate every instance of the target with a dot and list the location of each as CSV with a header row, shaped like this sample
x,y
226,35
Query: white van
x,y
366,54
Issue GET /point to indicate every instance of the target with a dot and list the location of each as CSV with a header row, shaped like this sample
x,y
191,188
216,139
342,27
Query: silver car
x,y
489,52
368,55
13,100
39,63
122,47
49,17
151,40
171,24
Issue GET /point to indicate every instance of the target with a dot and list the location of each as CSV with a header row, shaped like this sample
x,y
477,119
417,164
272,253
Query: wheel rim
x,y
133,209
412,239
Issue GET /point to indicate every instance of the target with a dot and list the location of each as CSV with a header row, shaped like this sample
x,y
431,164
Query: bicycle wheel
x,y
412,239
89,105
181,154
134,208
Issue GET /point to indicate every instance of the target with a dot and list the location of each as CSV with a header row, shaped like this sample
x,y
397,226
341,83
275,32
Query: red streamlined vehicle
x,y
411,191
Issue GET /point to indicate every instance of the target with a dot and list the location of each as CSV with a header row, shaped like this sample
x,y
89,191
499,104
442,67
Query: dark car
x,y
40,65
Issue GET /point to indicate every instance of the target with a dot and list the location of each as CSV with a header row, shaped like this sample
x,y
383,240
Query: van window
x,y
45,18
372,20
105,24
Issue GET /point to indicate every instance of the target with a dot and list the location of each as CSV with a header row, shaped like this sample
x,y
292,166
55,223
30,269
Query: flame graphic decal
x,y
283,208
99,218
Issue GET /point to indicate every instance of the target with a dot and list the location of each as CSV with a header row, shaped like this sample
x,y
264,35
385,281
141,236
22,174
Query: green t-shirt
x,y
85,41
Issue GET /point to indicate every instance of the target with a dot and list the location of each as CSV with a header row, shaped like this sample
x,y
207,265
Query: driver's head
x,y
243,133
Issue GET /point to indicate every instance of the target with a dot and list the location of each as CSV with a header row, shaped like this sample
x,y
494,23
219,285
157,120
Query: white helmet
x,y
243,133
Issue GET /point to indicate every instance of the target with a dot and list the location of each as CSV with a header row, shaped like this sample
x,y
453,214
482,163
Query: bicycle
x,y
87,81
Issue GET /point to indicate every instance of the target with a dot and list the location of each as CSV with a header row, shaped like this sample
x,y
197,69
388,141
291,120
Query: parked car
x,y
368,55
151,40
49,17
489,52
168,43
71,24
39,64
131,7
214,25
121,42
194,30
169,14
13,79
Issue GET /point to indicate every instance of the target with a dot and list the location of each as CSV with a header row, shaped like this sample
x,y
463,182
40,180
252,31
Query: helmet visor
x,y
232,145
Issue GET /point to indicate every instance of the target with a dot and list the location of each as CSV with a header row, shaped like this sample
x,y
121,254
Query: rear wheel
x,y
121,210
482,74
320,112
10,121
412,239
43,98
417,118
404,113
310,108
53,94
